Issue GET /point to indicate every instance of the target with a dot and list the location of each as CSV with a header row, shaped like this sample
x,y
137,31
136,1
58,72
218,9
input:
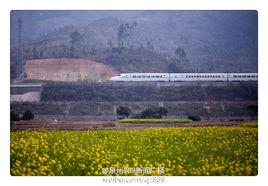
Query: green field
x,y
155,121
181,151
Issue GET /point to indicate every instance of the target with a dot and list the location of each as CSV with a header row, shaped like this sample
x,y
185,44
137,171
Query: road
x,y
98,125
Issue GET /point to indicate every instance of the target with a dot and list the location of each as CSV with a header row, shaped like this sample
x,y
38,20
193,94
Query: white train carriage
x,y
242,77
141,77
177,77
198,77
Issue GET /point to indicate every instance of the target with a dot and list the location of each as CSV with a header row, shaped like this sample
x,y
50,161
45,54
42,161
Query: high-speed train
x,y
177,77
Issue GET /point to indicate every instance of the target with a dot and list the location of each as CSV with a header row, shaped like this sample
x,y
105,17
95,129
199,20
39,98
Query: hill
x,y
212,41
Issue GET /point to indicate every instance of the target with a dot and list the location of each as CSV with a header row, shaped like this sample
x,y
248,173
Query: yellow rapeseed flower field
x,y
181,151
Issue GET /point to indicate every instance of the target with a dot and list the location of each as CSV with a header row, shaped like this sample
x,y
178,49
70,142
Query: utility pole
x,y
19,50
198,67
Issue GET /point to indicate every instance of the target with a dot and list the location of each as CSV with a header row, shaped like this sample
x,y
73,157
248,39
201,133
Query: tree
x,y
172,67
178,63
162,111
76,37
154,112
124,31
71,52
253,109
76,40
194,118
41,54
110,43
14,116
123,111
28,115
35,53
93,50
150,45
180,54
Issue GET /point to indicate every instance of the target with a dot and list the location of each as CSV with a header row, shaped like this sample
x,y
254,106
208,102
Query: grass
x,y
181,151
250,124
155,121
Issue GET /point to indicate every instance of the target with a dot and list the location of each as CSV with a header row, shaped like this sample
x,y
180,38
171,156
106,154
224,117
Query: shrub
x,y
162,111
28,115
123,111
154,112
14,116
194,118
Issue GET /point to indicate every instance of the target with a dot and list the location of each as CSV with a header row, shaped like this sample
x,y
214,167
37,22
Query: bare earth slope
x,y
68,69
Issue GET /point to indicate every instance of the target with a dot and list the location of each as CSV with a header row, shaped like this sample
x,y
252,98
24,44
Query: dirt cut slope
x,y
68,69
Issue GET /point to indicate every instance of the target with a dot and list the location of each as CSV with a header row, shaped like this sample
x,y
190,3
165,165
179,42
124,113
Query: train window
x,y
248,76
235,76
157,76
138,76
153,76
143,76
134,76
186,76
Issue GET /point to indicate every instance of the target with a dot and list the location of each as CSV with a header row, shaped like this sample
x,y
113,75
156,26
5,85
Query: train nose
x,y
113,79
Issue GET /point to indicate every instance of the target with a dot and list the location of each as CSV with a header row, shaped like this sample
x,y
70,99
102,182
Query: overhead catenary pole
x,y
19,50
